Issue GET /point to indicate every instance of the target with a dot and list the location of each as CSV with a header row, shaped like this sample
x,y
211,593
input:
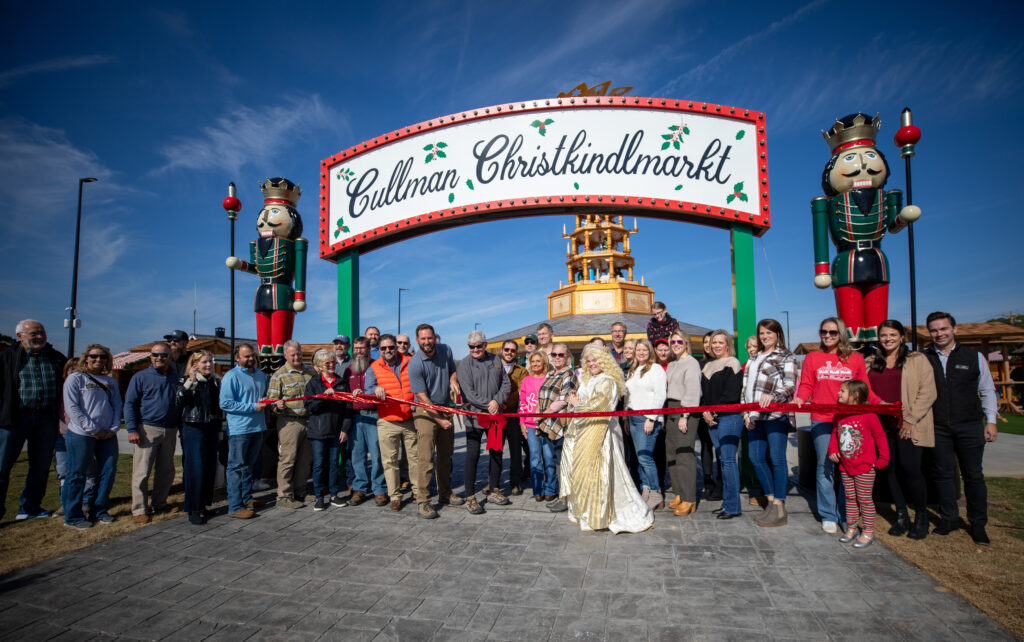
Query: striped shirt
x,y
286,382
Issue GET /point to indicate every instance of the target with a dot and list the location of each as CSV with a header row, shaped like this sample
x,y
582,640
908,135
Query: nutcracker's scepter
x,y
906,138
232,206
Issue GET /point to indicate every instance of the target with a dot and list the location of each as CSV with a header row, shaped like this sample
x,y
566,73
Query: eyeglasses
x,y
561,355
829,333
678,343
403,343
530,342
477,346
159,355
509,350
383,348
95,356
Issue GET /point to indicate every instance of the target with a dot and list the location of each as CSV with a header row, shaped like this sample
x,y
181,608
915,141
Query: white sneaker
x,y
830,527
259,485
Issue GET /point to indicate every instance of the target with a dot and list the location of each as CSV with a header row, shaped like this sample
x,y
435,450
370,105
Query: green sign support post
x,y
348,294
744,310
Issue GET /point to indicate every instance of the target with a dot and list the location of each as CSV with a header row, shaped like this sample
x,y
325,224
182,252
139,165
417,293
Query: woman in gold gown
x,y
594,480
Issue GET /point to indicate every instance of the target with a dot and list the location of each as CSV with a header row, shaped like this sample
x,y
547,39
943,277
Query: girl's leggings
x,y
858,500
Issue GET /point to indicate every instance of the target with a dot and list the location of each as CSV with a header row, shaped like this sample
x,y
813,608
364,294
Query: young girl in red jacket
x,y
859,446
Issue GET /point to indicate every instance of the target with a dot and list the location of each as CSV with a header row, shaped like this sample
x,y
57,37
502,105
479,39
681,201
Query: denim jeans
x,y
325,467
199,463
644,444
364,442
84,452
829,510
726,436
544,458
242,452
771,435
60,457
40,431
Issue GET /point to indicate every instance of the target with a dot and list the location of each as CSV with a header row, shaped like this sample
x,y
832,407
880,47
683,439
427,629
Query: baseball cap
x,y
530,337
342,338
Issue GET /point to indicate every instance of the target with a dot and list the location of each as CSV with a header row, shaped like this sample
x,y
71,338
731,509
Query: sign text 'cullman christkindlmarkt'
x,y
671,158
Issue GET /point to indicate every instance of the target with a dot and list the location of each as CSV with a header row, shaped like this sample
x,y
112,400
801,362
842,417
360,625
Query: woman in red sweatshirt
x,y
859,446
823,371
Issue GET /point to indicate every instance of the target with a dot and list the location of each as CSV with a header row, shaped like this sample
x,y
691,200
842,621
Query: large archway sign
x,y
680,160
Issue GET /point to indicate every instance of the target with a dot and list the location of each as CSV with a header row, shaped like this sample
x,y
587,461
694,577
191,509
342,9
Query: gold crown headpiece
x,y
280,190
855,130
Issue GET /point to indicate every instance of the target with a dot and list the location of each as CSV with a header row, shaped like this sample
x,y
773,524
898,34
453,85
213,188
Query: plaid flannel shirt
x,y
37,383
286,383
557,385
776,375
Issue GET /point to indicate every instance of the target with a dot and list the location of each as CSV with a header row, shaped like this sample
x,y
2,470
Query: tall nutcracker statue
x,y
278,258
856,214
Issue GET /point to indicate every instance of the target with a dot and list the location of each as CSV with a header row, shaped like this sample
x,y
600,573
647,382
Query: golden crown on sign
x,y
281,189
862,129
600,89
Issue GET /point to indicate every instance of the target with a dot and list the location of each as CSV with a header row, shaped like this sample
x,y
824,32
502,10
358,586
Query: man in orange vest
x,y
388,377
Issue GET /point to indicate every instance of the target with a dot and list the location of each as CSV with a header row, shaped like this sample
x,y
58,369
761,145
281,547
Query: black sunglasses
x,y
402,343
530,342
559,354
829,333
389,347
95,356
159,355
477,346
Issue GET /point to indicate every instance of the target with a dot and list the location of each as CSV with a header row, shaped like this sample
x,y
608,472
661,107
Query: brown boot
x,y
675,502
684,508
774,516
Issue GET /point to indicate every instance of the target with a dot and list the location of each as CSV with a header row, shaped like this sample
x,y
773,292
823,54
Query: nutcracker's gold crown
x,y
861,130
281,189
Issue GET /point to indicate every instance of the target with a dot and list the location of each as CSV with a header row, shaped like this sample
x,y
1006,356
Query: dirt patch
x,y
989,577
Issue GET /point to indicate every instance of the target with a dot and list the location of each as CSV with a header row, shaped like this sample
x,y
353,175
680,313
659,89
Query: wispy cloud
x,y
50,66
249,136
701,71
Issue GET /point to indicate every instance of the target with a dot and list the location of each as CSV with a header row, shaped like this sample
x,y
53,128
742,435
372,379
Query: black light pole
x,y
74,272
906,138
400,290
232,205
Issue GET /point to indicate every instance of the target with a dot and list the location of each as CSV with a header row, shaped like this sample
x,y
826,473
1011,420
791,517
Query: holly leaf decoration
x,y
738,187
576,185
442,145
441,154
429,158
665,145
451,197
675,144
673,127
740,134
730,198
548,121
686,130
536,123
469,183
679,187
428,148
336,233
743,197
667,136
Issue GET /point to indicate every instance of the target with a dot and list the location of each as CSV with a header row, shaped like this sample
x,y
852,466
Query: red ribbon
x,y
881,409
495,425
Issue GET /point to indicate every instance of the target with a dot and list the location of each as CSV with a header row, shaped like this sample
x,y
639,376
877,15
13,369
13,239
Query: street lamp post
x,y
232,206
400,290
73,318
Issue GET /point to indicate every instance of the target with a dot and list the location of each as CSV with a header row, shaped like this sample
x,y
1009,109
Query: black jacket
x,y
327,418
199,404
958,401
12,361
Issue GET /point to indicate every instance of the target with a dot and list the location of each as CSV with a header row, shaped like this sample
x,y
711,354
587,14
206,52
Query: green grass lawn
x,y
1014,424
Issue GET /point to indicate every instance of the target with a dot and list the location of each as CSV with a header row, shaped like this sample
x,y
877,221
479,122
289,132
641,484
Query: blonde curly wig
x,y
608,366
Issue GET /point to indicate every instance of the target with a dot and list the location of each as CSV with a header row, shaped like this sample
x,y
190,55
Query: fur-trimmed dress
x,y
594,480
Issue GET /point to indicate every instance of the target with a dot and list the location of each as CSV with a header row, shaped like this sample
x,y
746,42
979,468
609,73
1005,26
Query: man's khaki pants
x,y
431,435
391,434
155,450
295,458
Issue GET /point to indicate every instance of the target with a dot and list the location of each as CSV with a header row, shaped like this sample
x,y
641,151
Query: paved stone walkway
x,y
515,573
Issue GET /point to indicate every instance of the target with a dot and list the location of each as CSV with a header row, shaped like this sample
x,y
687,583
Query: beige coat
x,y
917,394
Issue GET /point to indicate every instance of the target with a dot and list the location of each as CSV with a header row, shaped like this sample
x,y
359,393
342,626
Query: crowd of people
x,y
608,472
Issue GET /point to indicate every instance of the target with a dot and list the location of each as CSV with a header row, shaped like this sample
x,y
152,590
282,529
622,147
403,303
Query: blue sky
x,y
167,105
